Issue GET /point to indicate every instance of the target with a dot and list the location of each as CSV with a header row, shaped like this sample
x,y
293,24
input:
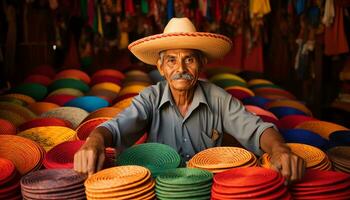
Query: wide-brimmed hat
x,y
180,33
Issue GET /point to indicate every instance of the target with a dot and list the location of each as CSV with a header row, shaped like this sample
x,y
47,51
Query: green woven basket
x,y
185,176
69,83
182,188
34,90
168,197
266,85
154,156
224,83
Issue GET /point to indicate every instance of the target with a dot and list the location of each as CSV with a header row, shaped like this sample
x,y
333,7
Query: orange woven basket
x,y
49,136
109,72
69,91
108,112
26,154
229,157
7,128
20,110
322,128
116,178
123,103
73,73
12,117
289,103
25,98
41,107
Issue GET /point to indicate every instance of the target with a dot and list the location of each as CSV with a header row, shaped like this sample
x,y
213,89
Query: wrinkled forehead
x,y
184,52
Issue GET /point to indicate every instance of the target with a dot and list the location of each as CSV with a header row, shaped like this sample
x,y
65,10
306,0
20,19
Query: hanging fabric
x,y
154,10
203,6
170,9
100,25
335,38
329,14
129,7
259,8
118,6
84,9
91,12
72,57
299,6
53,4
144,6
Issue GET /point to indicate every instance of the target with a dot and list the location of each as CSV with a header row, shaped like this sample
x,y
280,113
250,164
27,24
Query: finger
x,y
276,166
91,162
294,168
100,162
302,167
83,160
286,168
77,166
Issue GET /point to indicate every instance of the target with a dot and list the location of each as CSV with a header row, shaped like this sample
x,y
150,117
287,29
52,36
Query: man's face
x,y
180,67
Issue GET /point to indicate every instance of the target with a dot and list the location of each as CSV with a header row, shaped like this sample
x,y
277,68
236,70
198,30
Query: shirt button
x,y
187,156
185,140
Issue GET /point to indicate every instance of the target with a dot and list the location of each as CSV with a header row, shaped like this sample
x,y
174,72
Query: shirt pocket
x,y
208,140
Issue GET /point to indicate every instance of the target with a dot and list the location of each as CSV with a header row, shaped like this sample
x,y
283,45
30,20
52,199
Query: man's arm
x,y
283,160
91,155
122,131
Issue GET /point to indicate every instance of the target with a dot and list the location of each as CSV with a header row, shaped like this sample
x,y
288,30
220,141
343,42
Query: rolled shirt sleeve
x,y
246,127
130,124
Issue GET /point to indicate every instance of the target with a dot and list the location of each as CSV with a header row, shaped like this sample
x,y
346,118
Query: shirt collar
x,y
198,97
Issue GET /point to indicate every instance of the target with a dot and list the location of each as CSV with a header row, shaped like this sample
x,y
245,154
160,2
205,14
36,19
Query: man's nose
x,y
181,66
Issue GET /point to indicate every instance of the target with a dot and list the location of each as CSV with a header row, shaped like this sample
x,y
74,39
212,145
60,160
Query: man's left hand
x,y
291,166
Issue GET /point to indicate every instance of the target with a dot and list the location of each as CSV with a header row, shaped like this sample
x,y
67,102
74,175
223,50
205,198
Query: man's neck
x,y
183,99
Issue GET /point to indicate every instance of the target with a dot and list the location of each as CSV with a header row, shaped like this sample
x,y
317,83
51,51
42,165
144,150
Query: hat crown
x,y
179,25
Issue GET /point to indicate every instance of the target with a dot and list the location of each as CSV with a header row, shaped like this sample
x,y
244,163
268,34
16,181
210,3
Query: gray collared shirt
x,y
212,112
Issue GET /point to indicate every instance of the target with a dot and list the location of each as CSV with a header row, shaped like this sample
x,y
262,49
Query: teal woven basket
x,y
224,83
34,90
184,183
69,83
154,156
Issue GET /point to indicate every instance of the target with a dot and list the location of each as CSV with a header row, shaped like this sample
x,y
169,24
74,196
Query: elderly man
x,y
183,112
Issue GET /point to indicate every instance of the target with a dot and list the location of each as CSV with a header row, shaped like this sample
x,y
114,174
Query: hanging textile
x,y
170,9
91,12
259,8
100,25
335,38
72,58
299,6
84,8
144,6
129,7
329,14
118,6
53,4
10,45
203,7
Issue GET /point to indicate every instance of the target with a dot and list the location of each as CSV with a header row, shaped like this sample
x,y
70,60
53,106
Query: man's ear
x,y
159,66
204,60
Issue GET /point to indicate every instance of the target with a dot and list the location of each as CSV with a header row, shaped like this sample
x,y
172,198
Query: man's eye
x,y
189,60
171,60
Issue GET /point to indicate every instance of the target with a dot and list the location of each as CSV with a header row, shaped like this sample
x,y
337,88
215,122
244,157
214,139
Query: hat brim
x,y
214,46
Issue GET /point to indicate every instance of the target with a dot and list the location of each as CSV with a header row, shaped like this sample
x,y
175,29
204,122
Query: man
x,y
183,112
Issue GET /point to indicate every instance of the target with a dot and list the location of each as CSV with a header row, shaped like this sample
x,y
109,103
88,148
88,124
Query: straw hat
x,y
180,33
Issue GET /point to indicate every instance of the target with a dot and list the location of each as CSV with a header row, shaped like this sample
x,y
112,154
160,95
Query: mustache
x,y
185,76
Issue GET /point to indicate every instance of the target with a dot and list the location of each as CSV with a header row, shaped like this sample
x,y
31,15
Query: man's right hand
x,y
90,157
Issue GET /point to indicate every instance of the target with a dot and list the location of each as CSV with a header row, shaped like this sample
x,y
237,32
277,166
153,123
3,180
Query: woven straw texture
x,y
49,136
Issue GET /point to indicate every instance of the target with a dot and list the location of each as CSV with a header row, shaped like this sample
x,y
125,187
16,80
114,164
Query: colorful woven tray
x,y
229,157
49,136
26,154
144,155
